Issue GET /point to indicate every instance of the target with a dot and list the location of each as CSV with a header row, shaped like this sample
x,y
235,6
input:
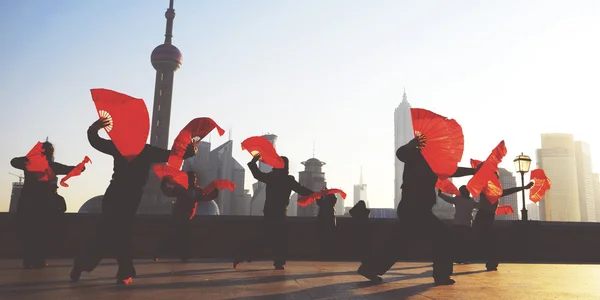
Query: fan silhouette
x,y
38,164
174,175
193,132
76,171
312,198
493,187
129,122
446,186
260,145
219,184
541,184
487,171
442,141
505,210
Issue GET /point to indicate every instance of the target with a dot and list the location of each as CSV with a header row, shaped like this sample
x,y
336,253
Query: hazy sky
x,y
313,71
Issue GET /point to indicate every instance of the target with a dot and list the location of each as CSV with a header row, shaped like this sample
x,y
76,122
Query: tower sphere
x,y
166,57
170,14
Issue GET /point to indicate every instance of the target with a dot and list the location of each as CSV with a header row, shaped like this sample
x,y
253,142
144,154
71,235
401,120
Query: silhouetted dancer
x,y
360,213
326,225
35,208
119,205
463,218
279,187
184,211
416,218
58,205
483,226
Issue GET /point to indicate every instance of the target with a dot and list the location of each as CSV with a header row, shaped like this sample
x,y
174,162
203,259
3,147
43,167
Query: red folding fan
x,y
193,132
488,170
129,120
442,138
493,189
260,145
504,210
37,163
36,160
447,187
174,175
219,184
76,171
541,184
308,200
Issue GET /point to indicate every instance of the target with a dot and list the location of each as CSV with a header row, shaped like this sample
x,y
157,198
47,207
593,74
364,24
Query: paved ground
x,y
301,280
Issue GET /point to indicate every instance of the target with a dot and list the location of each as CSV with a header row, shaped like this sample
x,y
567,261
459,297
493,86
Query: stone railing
x,y
219,237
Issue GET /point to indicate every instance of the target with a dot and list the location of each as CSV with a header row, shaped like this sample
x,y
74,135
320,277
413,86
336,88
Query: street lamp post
x,y
522,164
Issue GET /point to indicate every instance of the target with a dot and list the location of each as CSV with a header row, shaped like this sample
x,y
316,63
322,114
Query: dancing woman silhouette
x,y
119,205
279,187
184,211
36,207
483,226
416,218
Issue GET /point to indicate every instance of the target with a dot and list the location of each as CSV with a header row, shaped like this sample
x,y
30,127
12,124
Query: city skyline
x,y
260,59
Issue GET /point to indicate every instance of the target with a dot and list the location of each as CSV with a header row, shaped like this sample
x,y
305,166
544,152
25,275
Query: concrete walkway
x,y
301,280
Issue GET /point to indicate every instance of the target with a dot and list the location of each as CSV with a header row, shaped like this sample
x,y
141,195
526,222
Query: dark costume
x,y
483,227
36,211
326,226
279,186
362,227
463,218
416,218
119,205
183,212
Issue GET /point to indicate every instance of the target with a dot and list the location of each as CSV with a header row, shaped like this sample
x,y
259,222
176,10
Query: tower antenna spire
x,y
361,175
404,97
313,150
230,133
170,15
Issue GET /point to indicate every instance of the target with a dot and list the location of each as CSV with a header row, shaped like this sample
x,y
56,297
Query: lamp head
x,y
522,163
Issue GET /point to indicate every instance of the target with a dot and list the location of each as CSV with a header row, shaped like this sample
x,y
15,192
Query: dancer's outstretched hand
x,y
256,157
417,142
100,123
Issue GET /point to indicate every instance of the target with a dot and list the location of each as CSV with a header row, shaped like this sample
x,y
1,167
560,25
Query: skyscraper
x,y
533,211
596,181
585,183
313,178
360,191
557,158
293,206
15,194
166,59
339,205
403,133
259,193
508,180
542,203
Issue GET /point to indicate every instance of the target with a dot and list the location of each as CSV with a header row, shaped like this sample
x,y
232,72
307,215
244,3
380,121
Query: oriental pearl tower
x,y
166,59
